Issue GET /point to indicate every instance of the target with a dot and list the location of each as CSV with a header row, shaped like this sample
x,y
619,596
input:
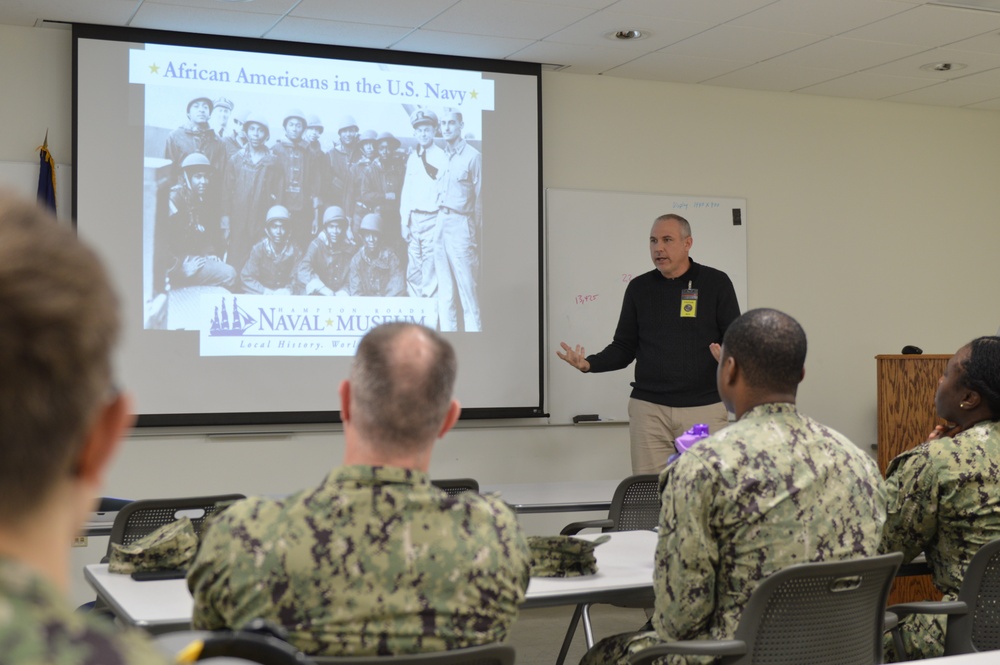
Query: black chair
x,y
826,613
974,619
191,646
635,506
486,654
453,486
140,518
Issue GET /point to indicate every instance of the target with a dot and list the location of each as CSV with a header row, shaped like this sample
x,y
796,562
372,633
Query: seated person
x,y
270,269
61,421
323,269
194,235
944,495
375,269
376,560
773,489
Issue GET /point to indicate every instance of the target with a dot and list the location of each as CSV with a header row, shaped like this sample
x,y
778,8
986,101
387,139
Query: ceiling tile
x,y
279,7
769,76
985,43
451,43
928,26
729,42
820,17
707,11
505,18
585,4
105,12
948,93
662,66
596,60
866,86
402,13
207,21
297,29
658,32
989,105
910,66
846,54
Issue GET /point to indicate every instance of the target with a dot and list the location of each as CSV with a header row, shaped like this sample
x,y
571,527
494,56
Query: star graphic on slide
x,y
154,68
329,323
473,94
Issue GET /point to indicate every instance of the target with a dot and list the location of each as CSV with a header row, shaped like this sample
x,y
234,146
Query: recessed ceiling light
x,y
626,34
943,66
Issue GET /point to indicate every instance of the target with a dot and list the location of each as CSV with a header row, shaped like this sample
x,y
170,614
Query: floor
x,y
538,634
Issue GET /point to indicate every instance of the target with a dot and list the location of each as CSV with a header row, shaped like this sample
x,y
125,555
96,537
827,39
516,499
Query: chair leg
x,y
588,631
568,640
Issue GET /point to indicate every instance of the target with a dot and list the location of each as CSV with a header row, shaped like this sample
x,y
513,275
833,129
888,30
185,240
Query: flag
x,y
46,176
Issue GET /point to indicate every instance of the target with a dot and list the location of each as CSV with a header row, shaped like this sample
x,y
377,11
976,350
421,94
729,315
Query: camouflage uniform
x,y
774,489
37,628
944,499
376,560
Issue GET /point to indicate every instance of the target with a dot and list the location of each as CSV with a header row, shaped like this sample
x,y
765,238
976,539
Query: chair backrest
x,y
635,505
826,613
979,630
486,654
453,486
142,517
230,647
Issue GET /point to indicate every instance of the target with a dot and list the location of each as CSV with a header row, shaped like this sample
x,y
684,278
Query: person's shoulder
x,y
710,272
485,513
36,626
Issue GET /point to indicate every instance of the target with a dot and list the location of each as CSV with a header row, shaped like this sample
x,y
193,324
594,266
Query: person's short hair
x,y
981,372
399,398
452,111
685,225
58,326
769,347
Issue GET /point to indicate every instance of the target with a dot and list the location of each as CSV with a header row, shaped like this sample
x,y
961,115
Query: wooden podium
x,y
906,415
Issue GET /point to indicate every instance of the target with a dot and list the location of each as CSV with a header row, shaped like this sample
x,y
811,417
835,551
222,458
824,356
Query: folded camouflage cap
x,y
563,556
169,547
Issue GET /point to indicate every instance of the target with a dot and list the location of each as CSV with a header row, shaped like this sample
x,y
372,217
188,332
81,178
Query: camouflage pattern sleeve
x,y
208,576
912,512
37,626
687,553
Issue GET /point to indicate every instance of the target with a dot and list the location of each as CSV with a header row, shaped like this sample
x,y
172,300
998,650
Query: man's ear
x,y
102,440
454,411
345,400
728,371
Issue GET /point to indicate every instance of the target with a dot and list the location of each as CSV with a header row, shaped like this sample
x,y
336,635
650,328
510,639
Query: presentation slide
x,y
262,205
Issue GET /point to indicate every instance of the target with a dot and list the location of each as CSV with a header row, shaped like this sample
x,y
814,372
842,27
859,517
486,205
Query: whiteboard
x,y
596,242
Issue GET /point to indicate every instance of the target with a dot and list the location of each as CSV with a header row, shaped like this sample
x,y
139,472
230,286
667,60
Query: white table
x,y
624,567
556,497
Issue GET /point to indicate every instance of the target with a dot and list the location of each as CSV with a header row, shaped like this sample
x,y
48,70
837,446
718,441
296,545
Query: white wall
x,y
873,223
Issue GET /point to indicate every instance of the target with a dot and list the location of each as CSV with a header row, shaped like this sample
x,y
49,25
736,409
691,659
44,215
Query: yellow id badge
x,y
689,303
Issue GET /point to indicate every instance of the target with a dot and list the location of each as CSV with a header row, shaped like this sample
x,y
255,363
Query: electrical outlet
x,y
80,541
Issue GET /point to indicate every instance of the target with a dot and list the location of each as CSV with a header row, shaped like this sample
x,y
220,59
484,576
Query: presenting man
x,y
671,322
61,421
376,560
774,489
